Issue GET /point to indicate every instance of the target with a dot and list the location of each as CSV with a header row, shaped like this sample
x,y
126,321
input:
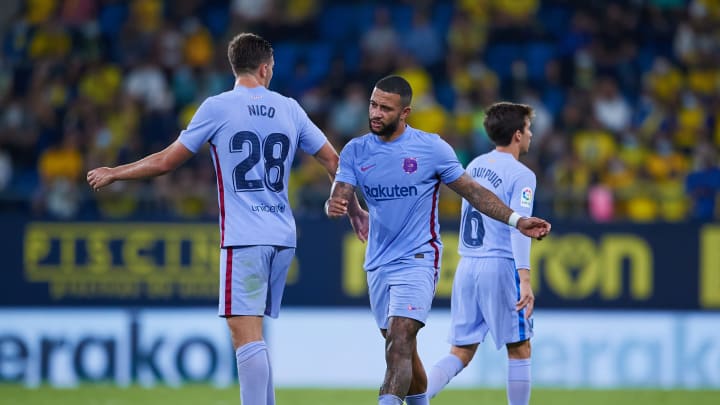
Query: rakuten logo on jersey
x,y
386,193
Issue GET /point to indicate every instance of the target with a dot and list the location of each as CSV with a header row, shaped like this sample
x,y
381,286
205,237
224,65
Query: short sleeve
x,y
523,193
201,128
448,166
346,171
311,138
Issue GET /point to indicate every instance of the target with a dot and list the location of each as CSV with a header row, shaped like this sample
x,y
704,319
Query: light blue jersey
x,y
253,135
400,181
514,184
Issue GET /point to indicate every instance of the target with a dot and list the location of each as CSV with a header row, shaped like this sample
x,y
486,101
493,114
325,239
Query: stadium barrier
x,y
121,264
617,305
309,348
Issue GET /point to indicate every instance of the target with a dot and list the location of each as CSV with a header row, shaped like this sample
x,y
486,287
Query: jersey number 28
x,y
274,151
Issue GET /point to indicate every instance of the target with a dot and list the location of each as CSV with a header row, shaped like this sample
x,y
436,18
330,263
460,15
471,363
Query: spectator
x,y
349,116
148,85
379,43
127,74
423,41
60,168
703,185
198,49
609,106
600,200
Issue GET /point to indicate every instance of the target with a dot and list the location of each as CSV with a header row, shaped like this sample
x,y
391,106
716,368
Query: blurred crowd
x,y
626,94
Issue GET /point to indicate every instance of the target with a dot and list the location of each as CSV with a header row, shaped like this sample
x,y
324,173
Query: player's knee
x,y
464,353
399,344
519,350
245,329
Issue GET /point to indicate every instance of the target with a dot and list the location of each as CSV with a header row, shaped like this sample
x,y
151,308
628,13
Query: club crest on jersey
x,y
526,197
410,165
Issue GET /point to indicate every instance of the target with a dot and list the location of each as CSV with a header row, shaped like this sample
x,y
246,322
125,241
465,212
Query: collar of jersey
x,y
399,139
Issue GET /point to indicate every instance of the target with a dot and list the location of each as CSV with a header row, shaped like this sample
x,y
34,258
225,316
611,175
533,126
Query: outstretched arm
x,y
153,165
489,204
328,157
481,198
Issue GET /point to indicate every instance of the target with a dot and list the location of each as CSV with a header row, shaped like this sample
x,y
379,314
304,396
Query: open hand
x,y
533,227
337,207
527,299
100,177
360,222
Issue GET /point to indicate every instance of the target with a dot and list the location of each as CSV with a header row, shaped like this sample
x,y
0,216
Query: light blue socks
x,y
389,399
253,367
518,383
442,372
417,399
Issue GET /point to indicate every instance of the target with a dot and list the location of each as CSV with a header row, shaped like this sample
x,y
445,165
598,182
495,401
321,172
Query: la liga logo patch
x,y
526,197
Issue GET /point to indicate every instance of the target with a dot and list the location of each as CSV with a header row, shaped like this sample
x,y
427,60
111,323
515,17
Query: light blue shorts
x,y
484,294
401,291
252,279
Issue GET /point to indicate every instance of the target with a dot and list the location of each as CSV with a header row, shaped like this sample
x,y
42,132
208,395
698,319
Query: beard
x,y
385,129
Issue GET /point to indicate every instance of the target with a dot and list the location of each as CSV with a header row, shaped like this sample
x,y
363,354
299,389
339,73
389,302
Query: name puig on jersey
x,y
261,110
268,208
487,174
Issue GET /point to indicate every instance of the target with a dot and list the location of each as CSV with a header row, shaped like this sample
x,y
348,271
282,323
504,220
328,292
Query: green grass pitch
x,y
99,395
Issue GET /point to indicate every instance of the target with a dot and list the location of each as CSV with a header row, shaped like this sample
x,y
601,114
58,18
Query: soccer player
x,y
253,135
491,290
399,170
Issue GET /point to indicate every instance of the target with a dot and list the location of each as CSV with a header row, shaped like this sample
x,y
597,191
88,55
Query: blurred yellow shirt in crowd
x,y
594,147
38,11
640,204
199,48
673,200
50,41
146,15
419,79
123,123
571,175
619,179
712,8
186,114
633,157
690,124
704,81
428,116
471,79
300,10
664,167
477,10
666,86
101,85
518,9
55,163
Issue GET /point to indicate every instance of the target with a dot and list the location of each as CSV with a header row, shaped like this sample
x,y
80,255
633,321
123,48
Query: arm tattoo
x,y
342,190
481,198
